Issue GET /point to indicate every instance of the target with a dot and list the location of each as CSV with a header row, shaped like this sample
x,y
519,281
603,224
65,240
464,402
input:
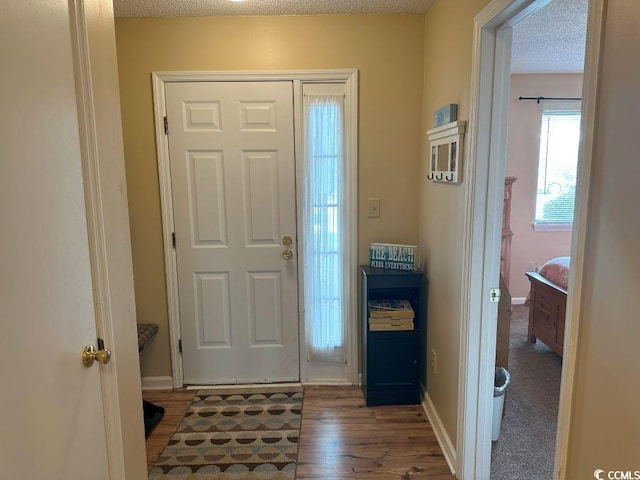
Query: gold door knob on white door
x,y
90,355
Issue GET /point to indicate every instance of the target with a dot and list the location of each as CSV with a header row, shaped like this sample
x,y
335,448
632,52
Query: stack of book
x,y
387,315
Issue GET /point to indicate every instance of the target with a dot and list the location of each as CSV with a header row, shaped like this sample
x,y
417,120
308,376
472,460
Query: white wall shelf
x,y
446,151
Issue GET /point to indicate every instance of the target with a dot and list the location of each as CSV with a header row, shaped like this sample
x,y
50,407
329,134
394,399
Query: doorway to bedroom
x,y
539,196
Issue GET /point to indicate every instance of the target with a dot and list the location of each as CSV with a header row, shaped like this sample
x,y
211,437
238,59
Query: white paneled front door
x,y
231,149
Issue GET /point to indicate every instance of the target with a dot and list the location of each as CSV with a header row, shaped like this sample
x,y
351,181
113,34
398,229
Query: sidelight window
x,y
324,213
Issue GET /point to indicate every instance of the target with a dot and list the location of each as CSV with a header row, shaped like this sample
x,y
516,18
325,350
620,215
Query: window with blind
x,y
557,165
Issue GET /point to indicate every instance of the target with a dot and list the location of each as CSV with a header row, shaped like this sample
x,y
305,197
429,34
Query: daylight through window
x,y
323,226
557,165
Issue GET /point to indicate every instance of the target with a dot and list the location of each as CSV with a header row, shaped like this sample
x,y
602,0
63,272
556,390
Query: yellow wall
x,y
393,53
529,246
447,74
605,427
387,51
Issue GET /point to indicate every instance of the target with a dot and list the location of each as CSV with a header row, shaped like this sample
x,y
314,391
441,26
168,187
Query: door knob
x,y
287,241
287,254
90,355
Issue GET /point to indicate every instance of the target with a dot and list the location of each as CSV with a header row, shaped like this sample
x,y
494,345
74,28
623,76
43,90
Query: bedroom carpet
x,y
235,434
525,448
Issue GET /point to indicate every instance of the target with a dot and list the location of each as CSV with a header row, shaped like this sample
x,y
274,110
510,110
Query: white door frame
x,y
102,158
96,232
485,167
297,77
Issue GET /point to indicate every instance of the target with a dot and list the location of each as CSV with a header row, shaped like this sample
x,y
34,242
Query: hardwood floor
x,y
343,439
175,403
340,438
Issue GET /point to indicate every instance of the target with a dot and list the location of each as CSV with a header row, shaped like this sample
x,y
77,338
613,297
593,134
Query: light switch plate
x,y
374,208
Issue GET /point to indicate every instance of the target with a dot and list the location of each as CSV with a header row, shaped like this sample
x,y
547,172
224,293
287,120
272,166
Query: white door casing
x,y
485,171
299,78
93,39
231,153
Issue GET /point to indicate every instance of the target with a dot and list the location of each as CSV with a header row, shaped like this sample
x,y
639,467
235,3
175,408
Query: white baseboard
x,y
518,300
330,383
240,386
157,383
444,441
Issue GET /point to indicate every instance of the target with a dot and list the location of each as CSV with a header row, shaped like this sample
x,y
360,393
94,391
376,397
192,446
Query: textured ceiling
x,y
551,40
197,8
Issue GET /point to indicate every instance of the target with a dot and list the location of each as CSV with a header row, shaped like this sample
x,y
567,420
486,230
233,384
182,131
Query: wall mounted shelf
x,y
446,150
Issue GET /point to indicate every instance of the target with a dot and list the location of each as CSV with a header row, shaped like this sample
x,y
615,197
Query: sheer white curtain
x,y
323,230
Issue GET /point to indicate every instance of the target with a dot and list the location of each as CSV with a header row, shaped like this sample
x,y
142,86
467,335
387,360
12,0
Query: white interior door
x,y
52,424
231,150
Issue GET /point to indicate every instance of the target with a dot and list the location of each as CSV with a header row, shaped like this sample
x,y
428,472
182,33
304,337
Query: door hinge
x,y
180,345
494,295
173,239
166,126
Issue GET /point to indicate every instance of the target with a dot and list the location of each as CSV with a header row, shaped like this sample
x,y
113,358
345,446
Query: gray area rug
x,y
526,446
235,434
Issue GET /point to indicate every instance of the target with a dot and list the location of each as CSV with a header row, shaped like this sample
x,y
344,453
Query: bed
x,y
547,302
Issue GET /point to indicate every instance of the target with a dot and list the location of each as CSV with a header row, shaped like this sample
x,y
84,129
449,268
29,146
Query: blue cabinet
x,y
393,362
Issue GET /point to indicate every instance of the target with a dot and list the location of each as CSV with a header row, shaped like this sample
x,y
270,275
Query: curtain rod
x,y
539,99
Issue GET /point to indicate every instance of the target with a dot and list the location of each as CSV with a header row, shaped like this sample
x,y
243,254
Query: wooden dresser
x,y
507,233
504,307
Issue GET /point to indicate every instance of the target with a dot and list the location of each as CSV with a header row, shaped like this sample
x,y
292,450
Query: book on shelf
x,y
386,320
393,256
390,308
391,321
380,327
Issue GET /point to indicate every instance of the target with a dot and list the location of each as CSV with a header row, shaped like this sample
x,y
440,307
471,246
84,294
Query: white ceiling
x,y
197,8
549,41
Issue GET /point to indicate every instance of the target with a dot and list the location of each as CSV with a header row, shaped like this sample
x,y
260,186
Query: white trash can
x,y
500,382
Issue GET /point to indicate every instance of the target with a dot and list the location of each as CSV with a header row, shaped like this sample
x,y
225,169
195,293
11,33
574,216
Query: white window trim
x,y
327,372
350,78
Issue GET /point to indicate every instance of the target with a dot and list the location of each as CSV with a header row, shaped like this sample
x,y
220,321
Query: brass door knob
x,y
90,355
287,254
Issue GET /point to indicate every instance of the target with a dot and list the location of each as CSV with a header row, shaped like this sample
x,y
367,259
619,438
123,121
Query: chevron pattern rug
x,y
235,434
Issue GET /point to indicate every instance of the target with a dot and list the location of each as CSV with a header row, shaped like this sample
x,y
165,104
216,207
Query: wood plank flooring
x,y
175,403
340,438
